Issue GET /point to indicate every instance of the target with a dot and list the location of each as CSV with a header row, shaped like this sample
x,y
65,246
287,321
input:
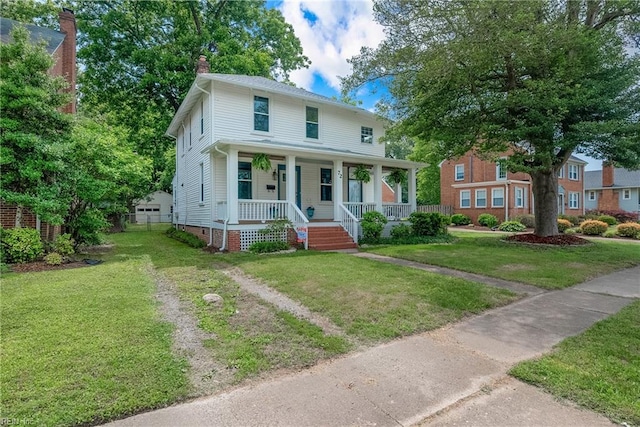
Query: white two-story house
x,y
314,144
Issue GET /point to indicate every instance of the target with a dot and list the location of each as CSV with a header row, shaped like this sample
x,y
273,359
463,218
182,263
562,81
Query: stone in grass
x,y
213,299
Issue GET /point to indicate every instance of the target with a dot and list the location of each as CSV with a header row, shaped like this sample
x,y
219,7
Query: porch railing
x,y
396,211
349,222
358,209
299,220
262,210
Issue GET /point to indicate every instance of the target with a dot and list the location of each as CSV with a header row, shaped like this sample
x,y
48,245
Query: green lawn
x,y
546,267
599,369
85,345
371,300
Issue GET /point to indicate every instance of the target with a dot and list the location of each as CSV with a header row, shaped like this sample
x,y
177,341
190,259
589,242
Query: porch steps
x,y
330,238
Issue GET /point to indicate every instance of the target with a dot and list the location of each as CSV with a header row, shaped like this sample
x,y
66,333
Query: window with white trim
x,y
497,198
326,187
592,196
573,172
312,122
244,180
366,135
481,198
561,172
202,116
261,113
190,137
201,182
459,173
519,202
501,170
574,200
626,194
465,199
181,134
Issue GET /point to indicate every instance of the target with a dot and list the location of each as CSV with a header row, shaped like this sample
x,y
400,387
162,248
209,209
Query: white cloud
x,y
342,27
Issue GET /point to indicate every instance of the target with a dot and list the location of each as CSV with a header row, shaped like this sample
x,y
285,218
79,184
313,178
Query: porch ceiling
x,y
278,148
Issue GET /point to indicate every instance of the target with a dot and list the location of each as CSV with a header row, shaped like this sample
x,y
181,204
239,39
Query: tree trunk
x,y
545,195
18,223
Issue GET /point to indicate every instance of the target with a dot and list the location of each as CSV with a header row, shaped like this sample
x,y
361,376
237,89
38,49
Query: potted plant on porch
x,y
261,162
362,173
310,211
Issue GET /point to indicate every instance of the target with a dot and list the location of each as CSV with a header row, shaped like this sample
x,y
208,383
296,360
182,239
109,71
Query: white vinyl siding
x,y
481,198
497,198
465,199
459,174
574,200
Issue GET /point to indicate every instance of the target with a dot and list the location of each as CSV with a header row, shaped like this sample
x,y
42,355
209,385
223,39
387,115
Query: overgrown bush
x,y
267,247
372,225
401,231
53,258
574,220
628,229
460,219
593,227
184,237
619,215
608,219
428,223
20,245
88,227
563,225
63,245
527,220
487,220
512,226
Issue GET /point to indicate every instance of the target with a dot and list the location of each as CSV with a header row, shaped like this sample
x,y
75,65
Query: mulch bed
x,y
37,266
558,240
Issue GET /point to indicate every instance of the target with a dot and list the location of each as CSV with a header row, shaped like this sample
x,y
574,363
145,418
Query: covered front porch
x,y
309,186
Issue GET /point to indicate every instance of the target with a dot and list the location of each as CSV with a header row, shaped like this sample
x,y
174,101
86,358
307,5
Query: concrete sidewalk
x,y
452,376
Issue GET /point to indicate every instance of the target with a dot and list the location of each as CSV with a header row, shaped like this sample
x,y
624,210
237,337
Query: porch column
x,y
397,188
377,187
412,189
337,188
232,185
291,179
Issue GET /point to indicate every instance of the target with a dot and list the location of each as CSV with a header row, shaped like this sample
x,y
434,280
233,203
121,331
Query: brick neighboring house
x,y
474,186
61,45
612,189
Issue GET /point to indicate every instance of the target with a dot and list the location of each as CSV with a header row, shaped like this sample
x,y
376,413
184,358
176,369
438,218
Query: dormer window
x,y
261,114
366,135
312,123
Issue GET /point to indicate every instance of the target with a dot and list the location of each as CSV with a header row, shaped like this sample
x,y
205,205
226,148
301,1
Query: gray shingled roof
x,y
622,178
52,37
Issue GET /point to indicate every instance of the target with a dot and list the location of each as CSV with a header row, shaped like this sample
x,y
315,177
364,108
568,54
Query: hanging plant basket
x,y
362,173
261,162
397,176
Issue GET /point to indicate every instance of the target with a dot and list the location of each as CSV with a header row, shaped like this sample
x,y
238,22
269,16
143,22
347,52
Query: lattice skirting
x,y
247,237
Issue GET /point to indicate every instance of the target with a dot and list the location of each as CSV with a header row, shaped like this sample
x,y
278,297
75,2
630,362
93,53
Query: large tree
x,y
34,134
538,79
139,57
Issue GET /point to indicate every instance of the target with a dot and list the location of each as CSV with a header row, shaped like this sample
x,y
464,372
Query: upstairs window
x,y
573,172
261,114
244,180
312,122
501,170
366,135
459,173
201,117
325,185
561,172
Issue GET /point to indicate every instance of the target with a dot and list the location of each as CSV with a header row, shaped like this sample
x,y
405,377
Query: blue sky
x,y
332,31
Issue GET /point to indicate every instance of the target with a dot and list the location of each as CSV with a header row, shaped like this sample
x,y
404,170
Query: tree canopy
x,y
537,79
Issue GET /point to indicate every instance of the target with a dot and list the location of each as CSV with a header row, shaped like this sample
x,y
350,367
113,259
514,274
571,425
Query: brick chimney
x,y
607,174
202,66
68,26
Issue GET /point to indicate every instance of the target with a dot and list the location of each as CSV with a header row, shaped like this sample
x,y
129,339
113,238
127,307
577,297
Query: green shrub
x,y
610,233
89,226
628,229
574,220
527,220
428,223
372,225
460,219
401,231
20,245
184,237
572,230
267,247
488,220
608,219
593,227
63,244
53,258
563,225
512,226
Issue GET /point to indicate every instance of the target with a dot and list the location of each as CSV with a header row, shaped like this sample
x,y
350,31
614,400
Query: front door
x,y
282,187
